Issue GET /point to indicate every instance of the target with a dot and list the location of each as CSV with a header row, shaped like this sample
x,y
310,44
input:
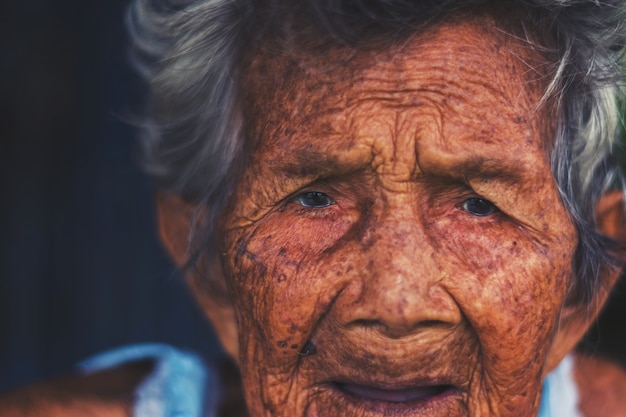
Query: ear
x,y
174,220
175,217
610,215
575,321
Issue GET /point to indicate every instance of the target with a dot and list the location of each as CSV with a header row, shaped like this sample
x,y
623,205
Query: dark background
x,y
80,267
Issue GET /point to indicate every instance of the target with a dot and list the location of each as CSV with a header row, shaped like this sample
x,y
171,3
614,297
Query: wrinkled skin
x,y
364,223
396,245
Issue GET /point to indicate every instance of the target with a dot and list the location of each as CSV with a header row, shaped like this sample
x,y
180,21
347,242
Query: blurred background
x,y
81,269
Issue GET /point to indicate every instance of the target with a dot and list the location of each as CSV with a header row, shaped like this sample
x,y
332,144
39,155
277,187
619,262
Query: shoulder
x,y
106,393
602,387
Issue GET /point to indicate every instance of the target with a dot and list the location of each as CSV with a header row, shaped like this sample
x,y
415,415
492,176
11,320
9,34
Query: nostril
x,y
396,305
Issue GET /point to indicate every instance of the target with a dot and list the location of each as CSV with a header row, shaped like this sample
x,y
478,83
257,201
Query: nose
x,y
399,288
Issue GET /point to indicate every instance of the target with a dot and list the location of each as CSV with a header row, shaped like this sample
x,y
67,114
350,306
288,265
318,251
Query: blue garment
x,y
179,386
182,386
560,393
544,408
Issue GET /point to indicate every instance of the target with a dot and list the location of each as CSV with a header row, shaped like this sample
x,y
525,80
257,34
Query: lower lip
x,y
400,402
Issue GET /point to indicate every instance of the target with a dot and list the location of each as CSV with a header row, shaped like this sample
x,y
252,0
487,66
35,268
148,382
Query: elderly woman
x,y
384,207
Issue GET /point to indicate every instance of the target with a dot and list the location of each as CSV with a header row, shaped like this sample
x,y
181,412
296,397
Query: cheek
x,y
509,284
287,270
281,277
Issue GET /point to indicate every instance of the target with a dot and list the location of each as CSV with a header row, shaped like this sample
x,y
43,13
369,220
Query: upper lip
x,y
389,374
363,366
389,387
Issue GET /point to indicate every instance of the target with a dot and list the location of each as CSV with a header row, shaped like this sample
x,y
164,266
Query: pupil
x,y
479,207
314,199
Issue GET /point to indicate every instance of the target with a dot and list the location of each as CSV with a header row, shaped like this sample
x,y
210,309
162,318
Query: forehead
x,y
462,93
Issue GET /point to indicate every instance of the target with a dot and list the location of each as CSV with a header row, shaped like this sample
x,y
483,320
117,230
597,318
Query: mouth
x,y
395,400
404,395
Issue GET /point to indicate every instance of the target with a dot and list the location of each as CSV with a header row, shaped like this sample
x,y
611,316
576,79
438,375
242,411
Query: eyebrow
x,y
485,169
313,164
312,168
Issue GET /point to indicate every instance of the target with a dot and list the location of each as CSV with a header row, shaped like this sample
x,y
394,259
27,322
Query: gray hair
x,y
188,51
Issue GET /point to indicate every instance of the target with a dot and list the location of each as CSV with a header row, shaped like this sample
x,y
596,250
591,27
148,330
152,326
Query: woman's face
x,y
397,245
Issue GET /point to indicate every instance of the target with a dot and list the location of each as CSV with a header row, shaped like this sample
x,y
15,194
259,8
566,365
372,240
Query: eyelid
x,y
459,193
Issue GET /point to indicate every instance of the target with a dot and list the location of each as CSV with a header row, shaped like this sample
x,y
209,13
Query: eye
x,y
478,207
314,199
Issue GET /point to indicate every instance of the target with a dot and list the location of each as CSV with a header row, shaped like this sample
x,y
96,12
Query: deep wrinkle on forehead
x,y
459,107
